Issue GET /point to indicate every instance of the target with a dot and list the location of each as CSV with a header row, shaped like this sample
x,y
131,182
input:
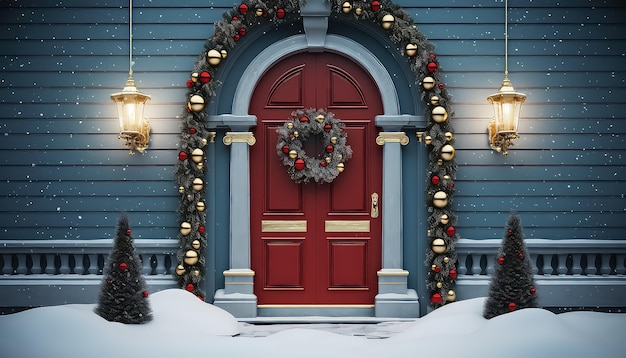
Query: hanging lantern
x,y
134,128
507,103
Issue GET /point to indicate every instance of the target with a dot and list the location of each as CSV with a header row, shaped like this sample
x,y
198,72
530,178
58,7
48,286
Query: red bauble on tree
x,y
182,156
243,9
436,298
500,260
190,287
451,231
435,179
280,13
432,67
298,164
123,266
375,5
453,274
512,306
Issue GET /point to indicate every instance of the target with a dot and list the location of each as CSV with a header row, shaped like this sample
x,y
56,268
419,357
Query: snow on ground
x,y
183,326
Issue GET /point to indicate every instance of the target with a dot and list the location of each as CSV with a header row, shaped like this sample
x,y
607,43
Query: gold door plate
x,y
283,226
347,225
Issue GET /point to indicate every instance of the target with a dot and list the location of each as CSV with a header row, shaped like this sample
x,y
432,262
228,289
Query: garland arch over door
x,y
393,297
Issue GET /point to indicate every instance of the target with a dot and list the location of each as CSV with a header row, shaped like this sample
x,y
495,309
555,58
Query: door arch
x,y
316,244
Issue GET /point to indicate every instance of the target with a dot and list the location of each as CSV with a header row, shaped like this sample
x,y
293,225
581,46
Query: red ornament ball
x,y
329,148
509,231
182,156
235,18
521,255
375,5
128,232
327,128
436,298
441,86
500,260
190,287
236,37
304,119
201,229
299,164
533,290
323,163
192,130
432,67
280,13
451,231
145,294
243,9
437,269
512,306
453,273
432,55
123,266
242,31
189,83
205,77
435,179
285,149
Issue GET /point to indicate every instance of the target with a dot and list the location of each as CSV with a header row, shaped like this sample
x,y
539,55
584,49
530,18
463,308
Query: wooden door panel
x,y
315,243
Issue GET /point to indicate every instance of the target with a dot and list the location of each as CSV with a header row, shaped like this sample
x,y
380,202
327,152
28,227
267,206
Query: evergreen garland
x,y
423,63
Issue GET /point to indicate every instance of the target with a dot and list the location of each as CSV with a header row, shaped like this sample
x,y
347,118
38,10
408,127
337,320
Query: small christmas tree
x,y
512,284
123,295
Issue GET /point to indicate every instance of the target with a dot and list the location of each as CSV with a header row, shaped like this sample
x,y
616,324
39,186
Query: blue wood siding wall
x,y
65,175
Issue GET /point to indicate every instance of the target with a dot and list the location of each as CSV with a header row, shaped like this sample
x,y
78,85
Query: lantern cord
x,y
506,38
130,39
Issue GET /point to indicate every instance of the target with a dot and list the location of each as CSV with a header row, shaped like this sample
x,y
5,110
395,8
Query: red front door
x,y
316,243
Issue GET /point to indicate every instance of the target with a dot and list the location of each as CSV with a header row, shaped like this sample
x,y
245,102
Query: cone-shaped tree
x,y
123,294
512,284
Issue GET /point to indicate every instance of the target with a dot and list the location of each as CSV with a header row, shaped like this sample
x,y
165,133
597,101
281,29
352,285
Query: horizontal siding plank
x,y
555,233
74,220
507,170
106,231
578,160
54,141
541,188
522,203
70,158
555,219
122,172
591,143
86,189
75,205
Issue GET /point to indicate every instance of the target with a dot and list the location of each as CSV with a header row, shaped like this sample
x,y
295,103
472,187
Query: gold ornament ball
x,y
198,184
388,21
328,159
259,12
289,125
204,142
185,228
438,246
296,134
411,50
195,244
446,177
446,259
451,296
428,140
180,270
434,100
428,83
439,161
191,257
439,114
319,118
181,189
223,53
447,152
200,206
358,11
449,136
346,7
440,199
197,155
333,140
196,273
196,103
194,77
214,57
199,166
293,154
340,167
444,219
439,285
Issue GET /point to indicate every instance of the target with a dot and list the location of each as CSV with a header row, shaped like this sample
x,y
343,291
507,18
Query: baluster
x,y
36,268
64,269
491,258
50,264
605,267
22,268
561,269
620,265
7,267
547,264
146,264
591,264
78,264
476,269
160,265
533,263
577,268
93,264
103,260
461,266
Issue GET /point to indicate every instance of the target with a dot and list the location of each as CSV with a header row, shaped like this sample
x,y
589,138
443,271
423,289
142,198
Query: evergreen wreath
x,y
307,123
441,258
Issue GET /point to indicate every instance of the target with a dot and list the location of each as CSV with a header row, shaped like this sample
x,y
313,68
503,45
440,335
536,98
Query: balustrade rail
x,y
47,272
568,273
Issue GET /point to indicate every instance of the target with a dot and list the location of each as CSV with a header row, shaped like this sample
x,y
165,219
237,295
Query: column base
x,y
240,305
397,305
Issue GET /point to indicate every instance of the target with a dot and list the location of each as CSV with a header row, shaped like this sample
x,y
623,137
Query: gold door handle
x,y
374,212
